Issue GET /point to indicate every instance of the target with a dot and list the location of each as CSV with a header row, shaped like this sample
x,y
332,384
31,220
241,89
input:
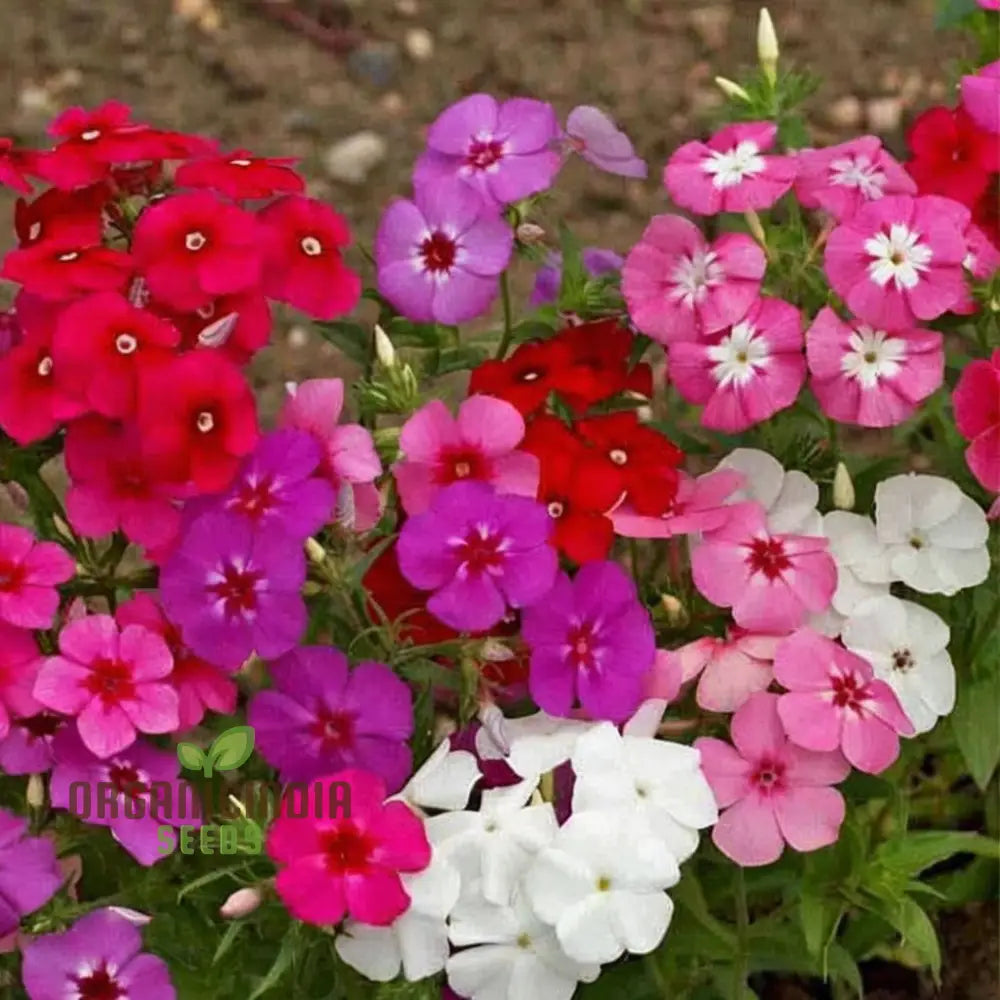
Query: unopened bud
x,y
311,588
241,904
18,496
62,527
843,488
530,234
315,552
36,791
674,610
444,726
384,351
756,227
767,45
995,304
494,651
732,89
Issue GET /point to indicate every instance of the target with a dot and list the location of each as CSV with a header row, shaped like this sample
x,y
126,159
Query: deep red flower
x,y
303,240
526,378
191,248
986,212
14,164
239,339
952,156
240,175
32,403
646,460
198,419
71,216
102,346
62,269
577,486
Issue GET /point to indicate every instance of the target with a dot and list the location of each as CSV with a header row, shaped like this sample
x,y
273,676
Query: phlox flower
x,y
234,591
907,647
438,256
240,175
30,570
99,956
863,566
415,943
19,662
29,873
508,953
976,401
869,377
591,640
63,268
135,811
935,534
496,842
533,744
503,151
770,790
349,460
236,325
444,781
731,172
596,262
27,747
112,680
320,717
729,670
658,782
771,581
592,134
744,374
981,97
15,164
194,246
840,179
678,286
600,884
834,701
76,216
479,552
304,239
899,259
330,867
479,444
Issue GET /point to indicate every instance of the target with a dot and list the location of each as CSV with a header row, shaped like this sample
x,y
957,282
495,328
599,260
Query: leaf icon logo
x,y
229,751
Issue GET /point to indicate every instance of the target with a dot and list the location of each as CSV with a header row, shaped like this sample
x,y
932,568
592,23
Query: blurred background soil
x,y
350,86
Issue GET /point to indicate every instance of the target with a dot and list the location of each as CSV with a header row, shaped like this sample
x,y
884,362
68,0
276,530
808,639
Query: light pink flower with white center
x,y
747,373
730,173
772,582
865,376
772,791
840,179
680,287
834,701
899,259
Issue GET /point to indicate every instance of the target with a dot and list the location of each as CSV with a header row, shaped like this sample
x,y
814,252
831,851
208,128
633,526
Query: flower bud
x,y
241,904
494,651
732,89
444,726
36,791
315,552
674,610
384,351
17,495
756,227
529,234
767,45
843,488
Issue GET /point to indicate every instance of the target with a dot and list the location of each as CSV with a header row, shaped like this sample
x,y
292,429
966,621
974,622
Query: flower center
x,y
90,135
916,542
68,256
99,985
768,776
42,726
481,551
311,246
195,241
531,375
582,646
462,470
902,660
126,779
125,343
34,231
11,577
236,588
604,884
461,463
484,153
45,367
254,498
767,556
872,355
859,172
239,163
438,253
738,356
619,456
693,276
848,693
731,168
556,508
898,257
110,680
347,849
205,421
524,940
334,730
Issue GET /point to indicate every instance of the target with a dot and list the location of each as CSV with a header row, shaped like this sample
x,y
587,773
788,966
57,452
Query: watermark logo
x,y
229,750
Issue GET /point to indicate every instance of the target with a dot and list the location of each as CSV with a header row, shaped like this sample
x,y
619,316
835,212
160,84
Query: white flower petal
x,y
641,919
373,951
445,781
423,945
483,973
587,933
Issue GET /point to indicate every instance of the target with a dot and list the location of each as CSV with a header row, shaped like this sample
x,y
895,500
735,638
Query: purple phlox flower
x,y
99,958
145,793
592,134
479,552
29,873
591,640
278,487
27,748
322,717
234,591
596,261
438,256
502,150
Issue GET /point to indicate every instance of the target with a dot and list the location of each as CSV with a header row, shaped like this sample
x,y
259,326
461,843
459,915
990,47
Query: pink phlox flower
x,y
30,571
592,134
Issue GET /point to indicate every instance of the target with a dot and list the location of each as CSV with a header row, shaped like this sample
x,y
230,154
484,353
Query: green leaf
x,y
574,276
952,12
352,339
843,967
916,851
231,748
976,725
233,931
913,925
281,965
191,756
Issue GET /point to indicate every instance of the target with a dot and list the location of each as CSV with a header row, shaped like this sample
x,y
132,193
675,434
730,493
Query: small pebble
x,y
376,63
298,337
419,44
884,113
711,25
845,112
407,8
352,159
391,103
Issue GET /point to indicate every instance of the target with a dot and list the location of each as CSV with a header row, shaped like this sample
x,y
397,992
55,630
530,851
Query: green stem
x,y
742,934
508,324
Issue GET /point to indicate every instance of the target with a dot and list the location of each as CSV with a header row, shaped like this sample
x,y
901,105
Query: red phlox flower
x,y
578,488
526,378
193,247
102,346
952,156
986,212
237,326
242,176
197,419
303,239
63,268
14,164
645,459
71,216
